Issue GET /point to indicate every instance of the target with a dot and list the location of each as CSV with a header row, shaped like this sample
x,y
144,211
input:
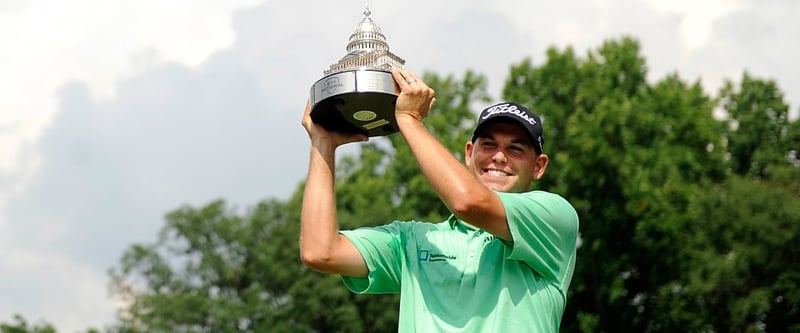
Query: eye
x,y
488,144
516,149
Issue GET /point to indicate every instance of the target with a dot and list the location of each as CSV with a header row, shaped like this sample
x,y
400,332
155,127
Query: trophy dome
x,y
367,36
367,49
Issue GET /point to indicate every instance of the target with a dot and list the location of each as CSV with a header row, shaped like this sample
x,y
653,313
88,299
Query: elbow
x,y
475,204
462,209
316,260
469,204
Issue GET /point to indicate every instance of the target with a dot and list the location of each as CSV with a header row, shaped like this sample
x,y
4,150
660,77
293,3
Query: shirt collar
x,y
456,223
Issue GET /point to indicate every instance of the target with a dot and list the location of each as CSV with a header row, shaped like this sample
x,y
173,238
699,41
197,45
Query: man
x,y
501,263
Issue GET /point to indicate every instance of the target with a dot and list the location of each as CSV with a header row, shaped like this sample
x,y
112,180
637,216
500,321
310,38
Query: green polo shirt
x,y
454,278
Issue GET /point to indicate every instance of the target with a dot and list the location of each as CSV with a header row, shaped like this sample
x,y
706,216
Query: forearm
x,y
321,246
318,226
460,191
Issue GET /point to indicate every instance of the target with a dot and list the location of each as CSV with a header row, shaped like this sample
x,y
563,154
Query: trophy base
x,y
359,101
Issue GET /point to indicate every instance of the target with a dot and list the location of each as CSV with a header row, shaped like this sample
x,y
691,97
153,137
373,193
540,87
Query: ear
x,y
468,147
540,165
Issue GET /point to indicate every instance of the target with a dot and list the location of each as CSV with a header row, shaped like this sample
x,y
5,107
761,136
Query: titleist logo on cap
x,y
508,108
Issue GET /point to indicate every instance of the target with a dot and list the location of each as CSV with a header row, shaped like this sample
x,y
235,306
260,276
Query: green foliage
x,y
209,270
636,159
20,325
213,270
741,254
758,132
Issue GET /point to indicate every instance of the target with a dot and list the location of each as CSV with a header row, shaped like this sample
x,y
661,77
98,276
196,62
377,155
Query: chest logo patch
x,y
428,256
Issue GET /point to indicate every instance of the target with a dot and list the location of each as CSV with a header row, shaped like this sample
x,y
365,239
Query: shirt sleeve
x,y
381,249
544,230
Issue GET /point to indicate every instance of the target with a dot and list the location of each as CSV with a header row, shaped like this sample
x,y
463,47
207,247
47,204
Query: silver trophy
x,y
358,93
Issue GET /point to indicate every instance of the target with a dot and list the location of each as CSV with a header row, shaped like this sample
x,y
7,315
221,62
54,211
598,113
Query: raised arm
x,y
462,193
322,248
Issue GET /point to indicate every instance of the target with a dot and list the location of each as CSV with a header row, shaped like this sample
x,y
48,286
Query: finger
x,y
411,77
399,78
306,113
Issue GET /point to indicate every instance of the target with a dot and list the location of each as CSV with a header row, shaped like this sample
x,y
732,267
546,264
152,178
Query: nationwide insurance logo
x,y
428,256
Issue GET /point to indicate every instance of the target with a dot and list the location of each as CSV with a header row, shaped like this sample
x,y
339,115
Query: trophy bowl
x,y
359,101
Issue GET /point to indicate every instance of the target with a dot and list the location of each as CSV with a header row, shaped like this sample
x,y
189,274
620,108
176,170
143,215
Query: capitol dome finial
x,y
366,10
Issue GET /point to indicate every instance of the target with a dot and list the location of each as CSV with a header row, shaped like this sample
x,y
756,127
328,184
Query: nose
x,y
499,157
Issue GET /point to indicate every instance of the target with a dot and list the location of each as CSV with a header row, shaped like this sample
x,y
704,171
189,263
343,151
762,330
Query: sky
x,y
113,112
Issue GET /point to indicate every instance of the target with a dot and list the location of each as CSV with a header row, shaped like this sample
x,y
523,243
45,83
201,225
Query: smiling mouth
x,y
497,173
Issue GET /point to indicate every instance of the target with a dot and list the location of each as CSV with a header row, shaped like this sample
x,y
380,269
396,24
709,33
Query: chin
x,y
497,187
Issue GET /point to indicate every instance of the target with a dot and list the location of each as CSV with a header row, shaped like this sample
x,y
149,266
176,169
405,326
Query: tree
x,y
215,270
742,279
758,131
638,161
209,270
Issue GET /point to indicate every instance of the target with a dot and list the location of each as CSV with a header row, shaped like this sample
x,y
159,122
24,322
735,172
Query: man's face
x,y
504,159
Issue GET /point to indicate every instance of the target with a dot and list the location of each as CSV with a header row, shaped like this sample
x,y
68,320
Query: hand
x,y
317,132
416,98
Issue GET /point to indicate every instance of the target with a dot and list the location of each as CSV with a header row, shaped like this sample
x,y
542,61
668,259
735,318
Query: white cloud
x,y
76,294
698,17
47,42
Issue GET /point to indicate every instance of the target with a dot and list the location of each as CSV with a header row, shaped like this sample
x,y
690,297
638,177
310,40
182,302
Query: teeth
x,y
497,173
